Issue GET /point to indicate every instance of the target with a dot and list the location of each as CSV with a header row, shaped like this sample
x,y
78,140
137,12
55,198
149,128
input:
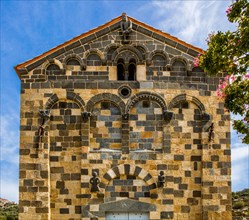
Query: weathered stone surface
x,y
125,140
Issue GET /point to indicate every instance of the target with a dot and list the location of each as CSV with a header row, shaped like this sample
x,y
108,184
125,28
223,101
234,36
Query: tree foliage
x,y
228,55
9,212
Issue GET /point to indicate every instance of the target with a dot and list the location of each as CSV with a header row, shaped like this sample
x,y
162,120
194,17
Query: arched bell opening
x,y
121,69
132,70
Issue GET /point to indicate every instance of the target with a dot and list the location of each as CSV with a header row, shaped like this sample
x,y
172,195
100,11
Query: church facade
x,y
117,123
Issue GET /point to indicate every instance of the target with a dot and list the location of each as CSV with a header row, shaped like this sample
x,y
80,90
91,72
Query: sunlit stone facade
x,y
105,113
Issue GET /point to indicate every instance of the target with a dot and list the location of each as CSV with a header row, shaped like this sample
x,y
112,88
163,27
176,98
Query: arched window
x,y
73,62
121,69
159,60
126,71
132,70
53,66
93,60
179,66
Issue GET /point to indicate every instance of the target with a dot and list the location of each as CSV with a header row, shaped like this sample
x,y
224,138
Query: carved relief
x,y
126,27
45,116
161,179
85,116
95,182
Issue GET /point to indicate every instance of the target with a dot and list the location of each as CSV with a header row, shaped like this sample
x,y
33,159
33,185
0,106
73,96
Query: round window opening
x,y
125,91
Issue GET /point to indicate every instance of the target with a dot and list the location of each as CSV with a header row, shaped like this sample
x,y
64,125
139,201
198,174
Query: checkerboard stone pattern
x,y
106,126
146,131
186,147
126,139
64,158
128,187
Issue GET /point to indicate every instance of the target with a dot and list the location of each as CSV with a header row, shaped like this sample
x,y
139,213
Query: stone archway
x,y
127,169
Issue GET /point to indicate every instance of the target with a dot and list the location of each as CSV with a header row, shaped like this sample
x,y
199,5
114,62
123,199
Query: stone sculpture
x,y
126,26
45,115
95,182
161,179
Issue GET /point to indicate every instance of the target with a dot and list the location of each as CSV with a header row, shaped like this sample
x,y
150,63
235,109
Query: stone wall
x,y
126,137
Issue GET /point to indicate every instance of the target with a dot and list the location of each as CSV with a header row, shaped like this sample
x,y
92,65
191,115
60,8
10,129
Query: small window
x,y
178,66
93,60
132,71
124,91
121,70
53,66
73,62
126,71
158,60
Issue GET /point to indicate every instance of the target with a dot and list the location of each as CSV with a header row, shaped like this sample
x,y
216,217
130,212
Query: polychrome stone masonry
x,y
117,123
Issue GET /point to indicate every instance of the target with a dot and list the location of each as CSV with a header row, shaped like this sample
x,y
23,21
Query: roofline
x,y
22,65
92,31
200,50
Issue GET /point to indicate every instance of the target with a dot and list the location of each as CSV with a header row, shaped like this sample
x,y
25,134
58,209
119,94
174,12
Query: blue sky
x,y
29,28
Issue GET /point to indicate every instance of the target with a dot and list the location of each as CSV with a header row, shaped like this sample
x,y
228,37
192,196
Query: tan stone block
x,y
112,72
100,124
111,174
133,111
157,144
138,128
146,134
143,174
115,145
134,146
138,182
155,215
141,73
166,73
116,124
91,68
94,208
132,169
182,216
104,136
142,117
105,112
157,111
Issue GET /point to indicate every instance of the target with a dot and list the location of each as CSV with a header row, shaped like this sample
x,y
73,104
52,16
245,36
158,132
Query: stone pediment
x,y
95,40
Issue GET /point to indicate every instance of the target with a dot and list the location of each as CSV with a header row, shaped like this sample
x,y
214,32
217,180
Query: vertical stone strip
x,y
34,197
125,134
86,171
216,172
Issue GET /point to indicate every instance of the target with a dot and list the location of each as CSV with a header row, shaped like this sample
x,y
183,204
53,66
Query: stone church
x,y
117,123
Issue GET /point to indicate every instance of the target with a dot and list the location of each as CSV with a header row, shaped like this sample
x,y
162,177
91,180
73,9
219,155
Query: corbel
x,y
167,115
125,116
85,116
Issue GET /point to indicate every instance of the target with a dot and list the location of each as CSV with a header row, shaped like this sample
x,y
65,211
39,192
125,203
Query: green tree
x,y
228,55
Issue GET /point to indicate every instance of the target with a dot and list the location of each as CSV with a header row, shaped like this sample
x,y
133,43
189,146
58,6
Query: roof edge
x,y
21,68
200,50
22,65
